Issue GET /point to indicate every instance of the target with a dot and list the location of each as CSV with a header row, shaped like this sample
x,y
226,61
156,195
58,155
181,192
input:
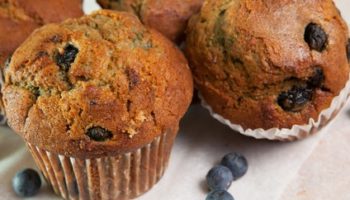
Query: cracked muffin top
x,y
169,17
100,84
18,18
269,64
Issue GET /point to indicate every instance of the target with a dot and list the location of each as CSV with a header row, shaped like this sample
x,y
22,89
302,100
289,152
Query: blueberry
x,y
236,163
348,50
295,99
219,195
26,183
317,79
316,37
99,134
219,178
67,58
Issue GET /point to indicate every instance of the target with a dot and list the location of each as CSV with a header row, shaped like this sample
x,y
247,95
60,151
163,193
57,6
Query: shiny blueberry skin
x,y
219,195
316,37
99,134
237,163
219,178
295,99
26,183
67,58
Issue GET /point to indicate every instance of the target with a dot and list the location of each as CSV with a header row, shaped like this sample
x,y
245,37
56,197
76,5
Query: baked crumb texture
x,y
99,85
18,18
268,64
169,17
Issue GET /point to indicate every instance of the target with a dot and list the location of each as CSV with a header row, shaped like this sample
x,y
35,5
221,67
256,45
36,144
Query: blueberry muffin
x,y
98,101
269,64
167,16
18,18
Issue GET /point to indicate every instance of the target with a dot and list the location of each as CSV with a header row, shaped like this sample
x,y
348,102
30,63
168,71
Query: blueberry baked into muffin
x,y
98,100
169,17
18,18
269,64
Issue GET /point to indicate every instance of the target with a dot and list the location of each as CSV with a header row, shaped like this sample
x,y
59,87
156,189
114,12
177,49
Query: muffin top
x,y
98,85
268,64
18,18
169,17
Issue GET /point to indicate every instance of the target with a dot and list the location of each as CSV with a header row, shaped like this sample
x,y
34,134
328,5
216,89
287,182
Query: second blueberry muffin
x,y
98,101
269,64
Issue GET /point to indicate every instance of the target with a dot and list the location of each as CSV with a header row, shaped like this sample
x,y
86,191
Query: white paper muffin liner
x,y
120,177
297,131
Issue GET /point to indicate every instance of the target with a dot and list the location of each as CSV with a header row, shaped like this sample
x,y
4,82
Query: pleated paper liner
x,y
297,131
124,176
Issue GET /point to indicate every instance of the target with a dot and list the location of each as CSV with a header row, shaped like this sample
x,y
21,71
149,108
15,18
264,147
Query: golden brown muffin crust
x,y
123,81
250,58
18,18
169,17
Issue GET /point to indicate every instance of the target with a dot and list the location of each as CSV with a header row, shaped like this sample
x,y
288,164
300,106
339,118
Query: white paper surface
x,y
277,171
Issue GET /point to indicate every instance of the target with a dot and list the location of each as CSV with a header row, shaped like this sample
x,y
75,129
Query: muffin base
x,y
124,176
297,131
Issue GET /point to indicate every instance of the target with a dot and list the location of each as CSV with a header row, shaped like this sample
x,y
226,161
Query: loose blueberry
x,y
26,183
219,195
99,134
316,37
219,178
317,79
348,50
236,163
67,58
295,99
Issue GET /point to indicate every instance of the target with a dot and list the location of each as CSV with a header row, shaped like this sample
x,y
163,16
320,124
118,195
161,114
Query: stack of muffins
x,y
98,99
